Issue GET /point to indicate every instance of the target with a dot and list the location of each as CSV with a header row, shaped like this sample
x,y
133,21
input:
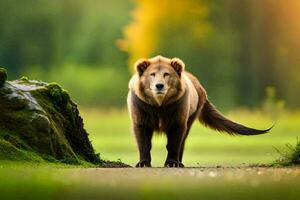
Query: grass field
x,y
206,177
110,132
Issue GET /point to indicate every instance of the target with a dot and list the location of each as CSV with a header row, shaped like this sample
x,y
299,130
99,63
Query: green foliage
x,y
236,49
289,156
89,86
50,33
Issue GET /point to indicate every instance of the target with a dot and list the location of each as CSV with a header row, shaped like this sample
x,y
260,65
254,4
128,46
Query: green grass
x,y
290,155
111,135
110,132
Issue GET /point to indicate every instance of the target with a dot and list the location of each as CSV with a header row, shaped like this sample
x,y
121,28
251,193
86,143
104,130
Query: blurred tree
x,y
267,49
50,33
237,48
184,29
72,42
281,31
169,24
27,34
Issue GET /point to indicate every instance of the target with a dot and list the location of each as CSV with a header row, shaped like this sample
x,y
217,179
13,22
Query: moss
x,y
113,164
59,95
74,131
3,76
15,141
9,152
24,79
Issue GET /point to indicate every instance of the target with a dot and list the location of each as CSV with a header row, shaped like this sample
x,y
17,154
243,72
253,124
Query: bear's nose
x,y
159,86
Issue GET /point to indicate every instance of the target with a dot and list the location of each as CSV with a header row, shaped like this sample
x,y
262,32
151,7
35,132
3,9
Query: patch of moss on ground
x,y
14,151
113,164
10,152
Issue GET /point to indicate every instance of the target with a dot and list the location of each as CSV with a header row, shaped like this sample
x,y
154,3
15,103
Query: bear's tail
x,y
212,118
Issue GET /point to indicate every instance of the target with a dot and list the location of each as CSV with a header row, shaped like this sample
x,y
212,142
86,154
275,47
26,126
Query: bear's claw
x,y
143,164
172,163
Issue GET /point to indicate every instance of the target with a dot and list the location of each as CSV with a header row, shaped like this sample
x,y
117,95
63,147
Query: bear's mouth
x,y
160,92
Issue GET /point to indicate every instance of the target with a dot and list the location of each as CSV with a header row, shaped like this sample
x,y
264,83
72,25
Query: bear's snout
x,y
159,86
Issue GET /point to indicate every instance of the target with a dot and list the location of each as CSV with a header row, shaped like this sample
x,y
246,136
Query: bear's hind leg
x,y
182,145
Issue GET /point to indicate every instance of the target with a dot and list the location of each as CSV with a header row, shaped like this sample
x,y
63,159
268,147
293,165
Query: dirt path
x,y
153,183
187,174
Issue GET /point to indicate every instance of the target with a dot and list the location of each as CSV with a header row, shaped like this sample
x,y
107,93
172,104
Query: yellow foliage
x,y
154,21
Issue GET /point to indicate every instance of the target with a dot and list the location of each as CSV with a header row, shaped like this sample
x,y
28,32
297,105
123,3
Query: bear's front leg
x,y
175,136
143,136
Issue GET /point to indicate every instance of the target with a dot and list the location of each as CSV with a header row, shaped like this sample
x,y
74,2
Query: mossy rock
x,y
41,119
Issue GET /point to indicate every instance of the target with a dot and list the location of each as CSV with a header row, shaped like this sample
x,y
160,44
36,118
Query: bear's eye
x,y
152,74
166,74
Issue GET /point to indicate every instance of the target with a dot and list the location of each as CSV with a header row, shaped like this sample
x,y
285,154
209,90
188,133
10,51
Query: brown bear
x,y
163,97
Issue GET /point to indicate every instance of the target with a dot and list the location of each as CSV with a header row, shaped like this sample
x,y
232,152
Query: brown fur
x,y
173,110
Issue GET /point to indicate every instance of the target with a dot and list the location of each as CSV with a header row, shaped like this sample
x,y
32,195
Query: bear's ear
x,y
178,65
141,65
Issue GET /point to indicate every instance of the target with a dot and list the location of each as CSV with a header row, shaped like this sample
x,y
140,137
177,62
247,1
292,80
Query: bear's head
x,y
160,79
